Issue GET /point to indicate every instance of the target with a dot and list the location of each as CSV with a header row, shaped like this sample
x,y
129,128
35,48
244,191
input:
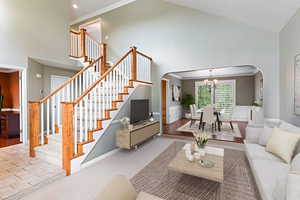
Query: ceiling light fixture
x,y
213,83
75,6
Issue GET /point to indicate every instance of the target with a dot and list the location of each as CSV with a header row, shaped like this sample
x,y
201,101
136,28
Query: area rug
x,y
238,181
225,129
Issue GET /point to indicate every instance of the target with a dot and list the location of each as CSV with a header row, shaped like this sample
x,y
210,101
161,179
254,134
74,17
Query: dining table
x,y
217,113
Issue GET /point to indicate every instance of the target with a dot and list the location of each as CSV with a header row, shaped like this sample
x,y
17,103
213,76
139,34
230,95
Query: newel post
x,y
82,43
67,136
134,64
104,57
34,126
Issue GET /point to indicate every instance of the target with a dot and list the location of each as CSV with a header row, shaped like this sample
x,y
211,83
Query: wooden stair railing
x,y
83,45
45,115
84,116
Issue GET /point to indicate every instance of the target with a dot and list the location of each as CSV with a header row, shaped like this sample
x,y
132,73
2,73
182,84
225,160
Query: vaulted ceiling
x,y
91,8
266,14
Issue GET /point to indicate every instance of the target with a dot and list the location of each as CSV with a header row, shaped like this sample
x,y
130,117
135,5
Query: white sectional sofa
x,y
275,179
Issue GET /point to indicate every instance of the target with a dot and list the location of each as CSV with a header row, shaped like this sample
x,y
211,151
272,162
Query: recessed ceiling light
x,y
75,6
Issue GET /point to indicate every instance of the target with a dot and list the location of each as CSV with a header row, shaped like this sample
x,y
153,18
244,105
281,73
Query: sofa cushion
x,y
292,129
252,134
283,144
265,135
146,196
118,188
272,123
258,152
279,192
295,165
267,173
293,183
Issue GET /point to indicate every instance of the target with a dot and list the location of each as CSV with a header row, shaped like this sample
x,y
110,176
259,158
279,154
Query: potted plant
x,y
186,101
201,140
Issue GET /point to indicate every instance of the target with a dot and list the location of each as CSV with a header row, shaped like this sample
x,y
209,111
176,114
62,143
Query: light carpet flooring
x,y
89,181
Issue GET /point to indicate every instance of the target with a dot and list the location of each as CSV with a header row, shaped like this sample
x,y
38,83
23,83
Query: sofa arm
x,y
252,134
293,191
118,188
293,183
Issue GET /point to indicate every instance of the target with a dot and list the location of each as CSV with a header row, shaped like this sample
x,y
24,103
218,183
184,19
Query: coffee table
x,y
182,165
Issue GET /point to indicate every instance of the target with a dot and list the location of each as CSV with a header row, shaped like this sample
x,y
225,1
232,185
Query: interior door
x,y
164,101
57,81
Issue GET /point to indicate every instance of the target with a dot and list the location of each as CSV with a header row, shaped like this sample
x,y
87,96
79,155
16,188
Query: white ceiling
x,y
216,73
267,14
90,8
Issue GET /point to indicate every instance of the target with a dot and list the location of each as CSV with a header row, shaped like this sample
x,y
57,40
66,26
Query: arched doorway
x,y
236,92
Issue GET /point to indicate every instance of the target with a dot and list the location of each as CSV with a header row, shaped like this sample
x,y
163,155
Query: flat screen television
x,y
139,110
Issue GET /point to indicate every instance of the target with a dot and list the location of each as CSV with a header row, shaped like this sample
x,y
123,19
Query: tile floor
x,y
19,172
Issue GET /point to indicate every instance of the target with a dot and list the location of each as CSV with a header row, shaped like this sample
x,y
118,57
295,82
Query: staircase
x,y
65,125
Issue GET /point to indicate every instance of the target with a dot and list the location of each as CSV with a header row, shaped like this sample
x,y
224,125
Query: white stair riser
x,y
48,158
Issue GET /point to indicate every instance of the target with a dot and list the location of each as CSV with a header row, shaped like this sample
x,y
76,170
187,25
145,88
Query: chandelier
x,y
213,83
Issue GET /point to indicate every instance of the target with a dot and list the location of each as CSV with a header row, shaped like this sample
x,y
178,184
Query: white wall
x,y
180,38
34,28
108,140
289,47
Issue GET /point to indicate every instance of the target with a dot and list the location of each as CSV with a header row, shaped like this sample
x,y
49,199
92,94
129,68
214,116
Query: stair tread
x,y
49,150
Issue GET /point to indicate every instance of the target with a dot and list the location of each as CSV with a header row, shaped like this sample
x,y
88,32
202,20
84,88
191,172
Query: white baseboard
x,y
10,110
89,163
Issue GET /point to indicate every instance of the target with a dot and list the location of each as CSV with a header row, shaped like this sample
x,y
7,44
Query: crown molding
x,y
219,76
175,76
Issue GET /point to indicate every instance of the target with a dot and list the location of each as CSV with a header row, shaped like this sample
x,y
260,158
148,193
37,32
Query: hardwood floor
x,y
5,142
170,130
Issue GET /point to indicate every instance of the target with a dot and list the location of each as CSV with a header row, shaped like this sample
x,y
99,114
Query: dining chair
x,y
194,115
209,117
226,118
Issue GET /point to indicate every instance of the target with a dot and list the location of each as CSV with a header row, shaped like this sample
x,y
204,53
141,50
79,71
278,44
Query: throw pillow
x,y
282,144
265,135
292,129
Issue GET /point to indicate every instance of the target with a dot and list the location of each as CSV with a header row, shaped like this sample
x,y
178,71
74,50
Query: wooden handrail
x,y
69,81
101,78
75,32
144,55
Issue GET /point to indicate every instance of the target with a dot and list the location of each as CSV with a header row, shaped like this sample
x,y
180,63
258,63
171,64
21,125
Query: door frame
x,y
96,21
23,101
167,100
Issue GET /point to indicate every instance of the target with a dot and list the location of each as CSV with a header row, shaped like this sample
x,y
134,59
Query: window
x,y
223,95
203,94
